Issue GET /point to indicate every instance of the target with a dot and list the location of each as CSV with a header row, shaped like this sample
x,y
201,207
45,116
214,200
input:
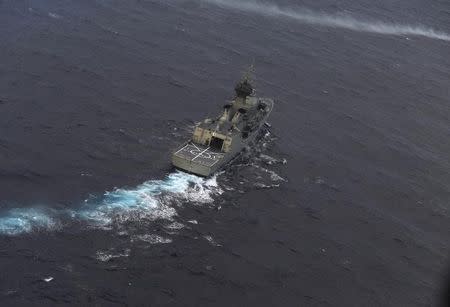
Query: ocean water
x,y
344,201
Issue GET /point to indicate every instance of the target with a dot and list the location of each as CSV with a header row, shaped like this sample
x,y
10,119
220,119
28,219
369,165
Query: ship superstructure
x,y
216,141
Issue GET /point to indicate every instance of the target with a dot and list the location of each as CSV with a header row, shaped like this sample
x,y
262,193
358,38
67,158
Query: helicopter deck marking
x,y
201,155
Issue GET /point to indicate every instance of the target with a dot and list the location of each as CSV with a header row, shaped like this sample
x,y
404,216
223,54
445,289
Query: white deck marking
x,y
195,146
214,163
182,148
200,154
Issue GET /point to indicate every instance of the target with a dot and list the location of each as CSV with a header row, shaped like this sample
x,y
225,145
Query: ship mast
x,y
249,73
244,88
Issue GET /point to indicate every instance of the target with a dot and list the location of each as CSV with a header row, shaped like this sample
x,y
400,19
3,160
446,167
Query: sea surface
x,y
344,201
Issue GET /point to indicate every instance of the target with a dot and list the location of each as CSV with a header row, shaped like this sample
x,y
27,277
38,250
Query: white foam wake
x,y
152,200
21,220
308,16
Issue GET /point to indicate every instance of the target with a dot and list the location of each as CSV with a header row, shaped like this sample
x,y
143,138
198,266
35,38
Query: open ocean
x,y
345,200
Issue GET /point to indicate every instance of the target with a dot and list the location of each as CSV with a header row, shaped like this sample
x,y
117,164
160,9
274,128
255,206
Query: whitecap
x,y
273,175
55,16
175,226
48,279
211,240
107,255
153,239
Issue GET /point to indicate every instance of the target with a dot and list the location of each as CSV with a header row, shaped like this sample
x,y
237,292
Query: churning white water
x,y
152,200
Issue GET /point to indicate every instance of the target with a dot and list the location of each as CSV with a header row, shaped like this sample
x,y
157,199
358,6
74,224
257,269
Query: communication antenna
x,y
249,74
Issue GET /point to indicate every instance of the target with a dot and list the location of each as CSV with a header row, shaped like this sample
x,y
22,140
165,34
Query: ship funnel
x,y
226,113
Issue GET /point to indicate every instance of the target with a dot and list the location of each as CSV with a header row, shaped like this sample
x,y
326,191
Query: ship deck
x,y
199,154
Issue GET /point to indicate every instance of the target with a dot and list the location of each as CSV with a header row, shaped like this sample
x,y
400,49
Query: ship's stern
x,y
197,159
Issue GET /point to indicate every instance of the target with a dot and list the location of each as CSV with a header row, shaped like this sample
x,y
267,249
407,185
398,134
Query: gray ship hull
x,y
204,160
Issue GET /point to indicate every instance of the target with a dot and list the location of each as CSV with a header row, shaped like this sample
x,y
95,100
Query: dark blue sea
x,y
343,201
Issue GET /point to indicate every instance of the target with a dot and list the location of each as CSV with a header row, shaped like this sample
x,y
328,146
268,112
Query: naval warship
x,y
216,141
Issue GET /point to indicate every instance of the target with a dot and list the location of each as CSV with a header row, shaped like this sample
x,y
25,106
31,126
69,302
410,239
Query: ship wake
x,y
152,200
308,16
